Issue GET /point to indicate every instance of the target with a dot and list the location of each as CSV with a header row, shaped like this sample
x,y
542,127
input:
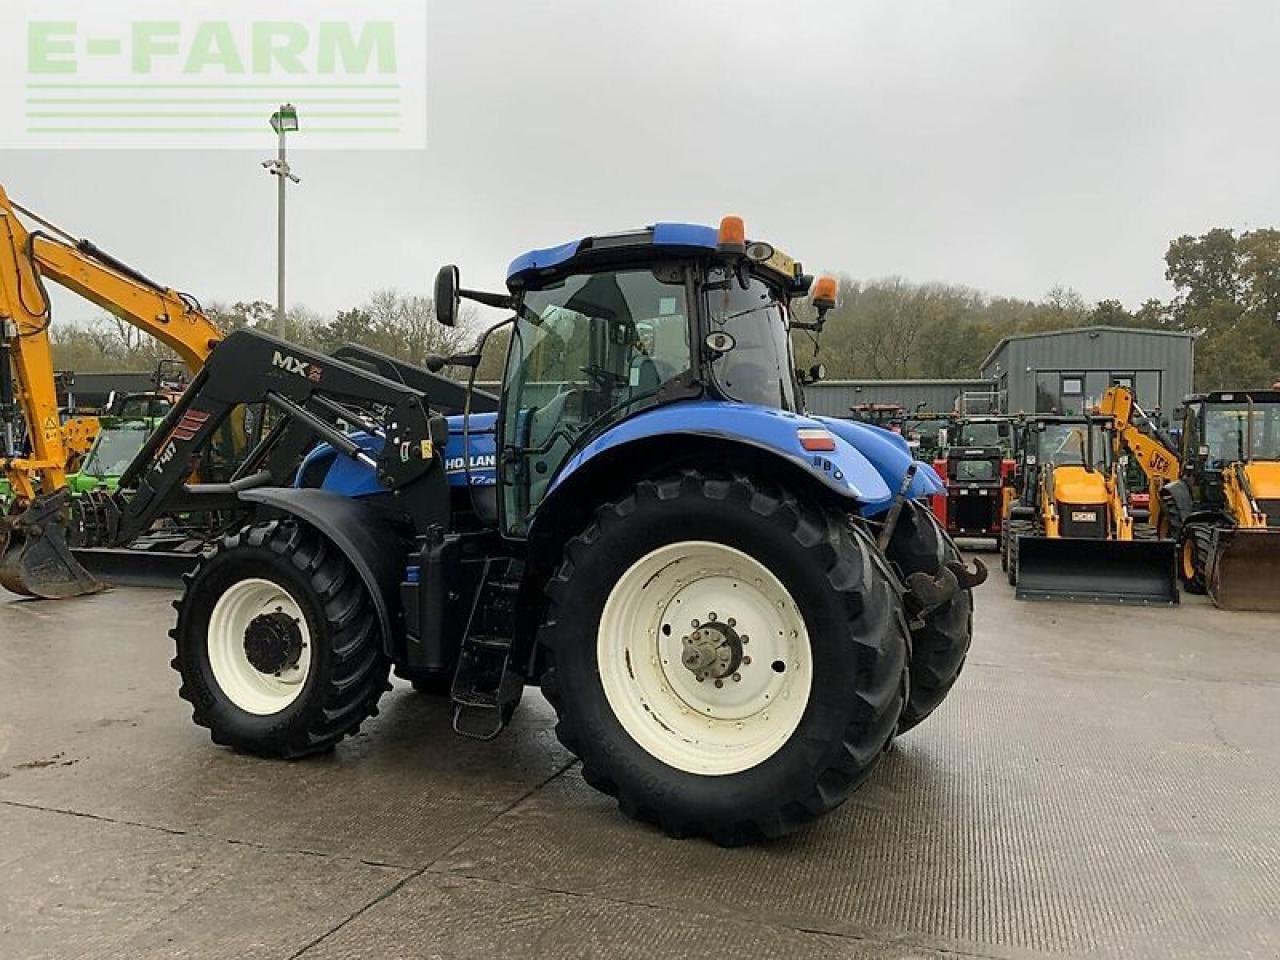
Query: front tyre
x,y
940,637
725,661
1195,543
278,645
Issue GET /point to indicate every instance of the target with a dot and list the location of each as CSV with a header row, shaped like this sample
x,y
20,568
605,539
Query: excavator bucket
x,y
1097,571
1244,569
35,560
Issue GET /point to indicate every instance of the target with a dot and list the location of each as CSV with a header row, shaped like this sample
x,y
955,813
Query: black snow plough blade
x,y
1244,569
1097,571
35,560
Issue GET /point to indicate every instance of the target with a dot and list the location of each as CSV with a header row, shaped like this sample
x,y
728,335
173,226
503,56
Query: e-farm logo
x,y
150,74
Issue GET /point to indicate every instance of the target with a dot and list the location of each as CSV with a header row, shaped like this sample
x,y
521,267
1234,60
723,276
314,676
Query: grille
x,y
1272,509
1074,522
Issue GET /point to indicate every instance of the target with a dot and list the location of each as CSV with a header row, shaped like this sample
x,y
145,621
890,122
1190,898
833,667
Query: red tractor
x,y
975,462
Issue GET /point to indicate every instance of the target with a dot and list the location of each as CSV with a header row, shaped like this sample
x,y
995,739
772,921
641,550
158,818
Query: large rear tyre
x,y
940,637
278,644
725,661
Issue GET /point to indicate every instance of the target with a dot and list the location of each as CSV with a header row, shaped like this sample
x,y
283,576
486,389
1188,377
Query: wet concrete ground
x,y
1102,782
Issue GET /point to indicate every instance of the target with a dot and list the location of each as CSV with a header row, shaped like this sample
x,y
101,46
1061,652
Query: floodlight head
x,y
285,120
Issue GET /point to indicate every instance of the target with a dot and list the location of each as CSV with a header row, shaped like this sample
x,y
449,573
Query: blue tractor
x,y
733,606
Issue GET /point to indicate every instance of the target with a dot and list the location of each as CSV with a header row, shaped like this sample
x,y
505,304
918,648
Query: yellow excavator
x,y
34,443
1220,496
1068,534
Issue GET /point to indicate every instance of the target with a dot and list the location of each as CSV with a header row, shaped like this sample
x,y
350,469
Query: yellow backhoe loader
x,y
34,443
1220,496
1069,534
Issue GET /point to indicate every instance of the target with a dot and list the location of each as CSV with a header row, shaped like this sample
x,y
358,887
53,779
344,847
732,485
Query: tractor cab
x,y
613,326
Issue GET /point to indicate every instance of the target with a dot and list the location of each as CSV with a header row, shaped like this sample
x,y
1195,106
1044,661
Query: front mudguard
x,y
891,457
366,537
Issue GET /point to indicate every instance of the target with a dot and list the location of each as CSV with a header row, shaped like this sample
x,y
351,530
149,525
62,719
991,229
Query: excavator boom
x,y
34,559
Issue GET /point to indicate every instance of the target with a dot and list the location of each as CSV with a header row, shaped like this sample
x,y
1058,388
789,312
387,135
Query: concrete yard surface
x,y
1103,781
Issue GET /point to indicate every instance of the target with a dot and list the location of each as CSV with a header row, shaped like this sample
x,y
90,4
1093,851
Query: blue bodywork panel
x,y
350,478
889,453
484,451
868,463
867,467
661,235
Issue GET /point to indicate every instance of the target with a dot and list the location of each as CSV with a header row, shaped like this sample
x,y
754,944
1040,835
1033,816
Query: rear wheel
x,y
940,637
278,645
724,661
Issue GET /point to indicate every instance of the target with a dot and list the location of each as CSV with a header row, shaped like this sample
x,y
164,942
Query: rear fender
x,y
844,470
365,536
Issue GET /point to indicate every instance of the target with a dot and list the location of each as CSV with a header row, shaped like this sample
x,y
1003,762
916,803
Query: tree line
x,y
1226,290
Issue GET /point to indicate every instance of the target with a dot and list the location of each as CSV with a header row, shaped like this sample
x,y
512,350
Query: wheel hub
x,y
273,643
713,650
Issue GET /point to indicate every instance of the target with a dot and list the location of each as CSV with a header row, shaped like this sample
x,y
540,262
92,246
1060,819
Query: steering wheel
x,y
607,380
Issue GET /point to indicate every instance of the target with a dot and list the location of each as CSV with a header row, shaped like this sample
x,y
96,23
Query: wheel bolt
x,y
712,616
732,622
737,678
746,661
695,624
719,684
744,638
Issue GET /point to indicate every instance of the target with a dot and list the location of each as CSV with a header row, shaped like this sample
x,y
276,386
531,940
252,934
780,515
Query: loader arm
x,y
1159,463
27,259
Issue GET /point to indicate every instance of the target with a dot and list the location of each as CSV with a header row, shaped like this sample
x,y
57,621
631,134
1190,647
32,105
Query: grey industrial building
x,y
1066,371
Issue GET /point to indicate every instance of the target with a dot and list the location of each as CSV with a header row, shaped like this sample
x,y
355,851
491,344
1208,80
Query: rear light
x,y
816,441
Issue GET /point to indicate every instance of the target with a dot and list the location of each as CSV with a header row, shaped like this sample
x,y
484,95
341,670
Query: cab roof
x,y
671,236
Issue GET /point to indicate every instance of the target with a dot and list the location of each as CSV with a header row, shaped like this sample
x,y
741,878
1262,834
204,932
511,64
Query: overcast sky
x,y
1009,146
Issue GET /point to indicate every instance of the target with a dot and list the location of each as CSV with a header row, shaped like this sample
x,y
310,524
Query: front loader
x,y
1069,534
732,605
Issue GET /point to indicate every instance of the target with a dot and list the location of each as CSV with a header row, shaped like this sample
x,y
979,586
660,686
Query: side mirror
x,y
448,301
817,373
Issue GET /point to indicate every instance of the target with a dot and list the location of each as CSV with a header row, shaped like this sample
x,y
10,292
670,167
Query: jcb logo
x,y
295,366
1159,461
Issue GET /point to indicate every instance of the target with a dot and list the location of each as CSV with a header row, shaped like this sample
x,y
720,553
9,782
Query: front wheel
x,y
1195,542
723,660
940,637
278,644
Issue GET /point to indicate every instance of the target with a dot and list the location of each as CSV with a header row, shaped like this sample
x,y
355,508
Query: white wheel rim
x,y
247,687
699,727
